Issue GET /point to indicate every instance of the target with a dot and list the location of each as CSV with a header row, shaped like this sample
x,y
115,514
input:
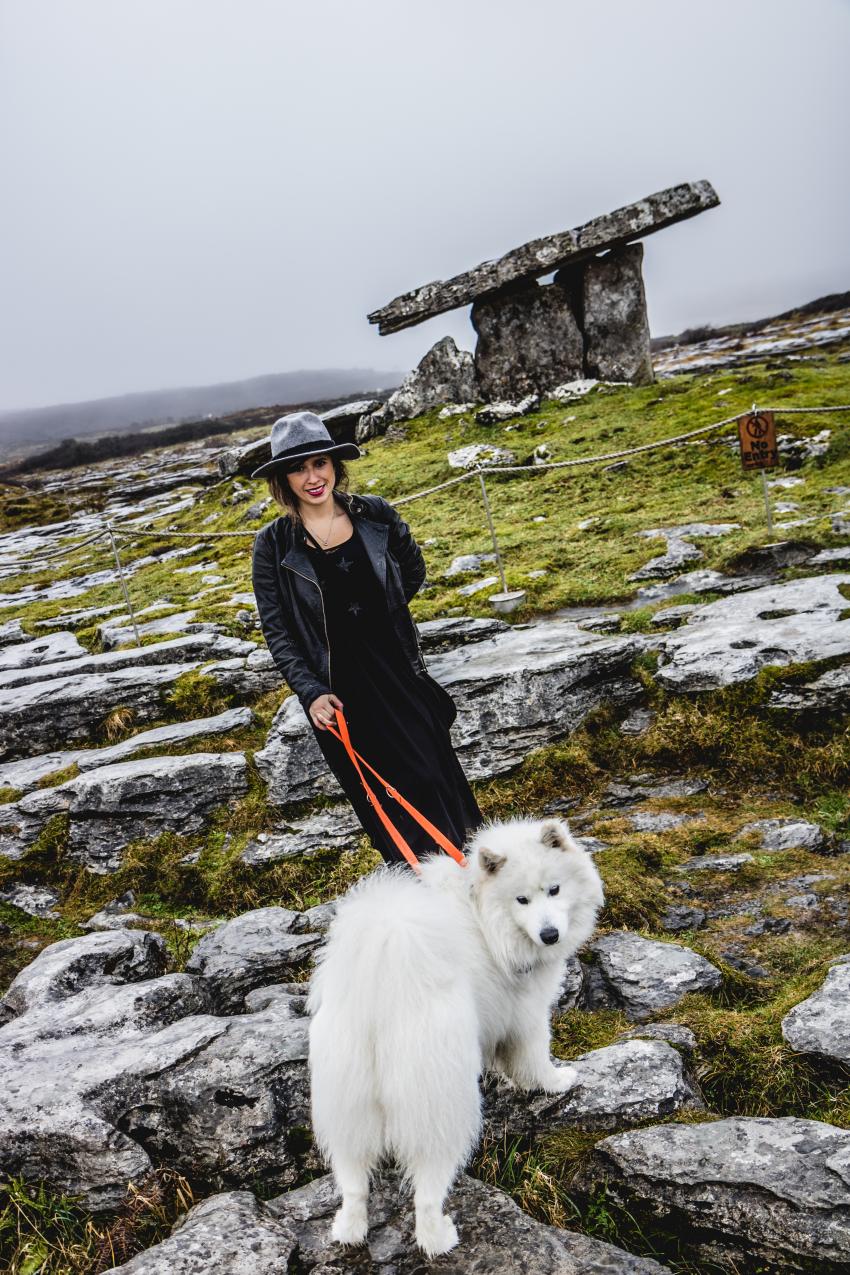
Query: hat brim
x,y
345,451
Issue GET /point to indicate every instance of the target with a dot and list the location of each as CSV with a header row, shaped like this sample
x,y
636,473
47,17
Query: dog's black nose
x,y
549,935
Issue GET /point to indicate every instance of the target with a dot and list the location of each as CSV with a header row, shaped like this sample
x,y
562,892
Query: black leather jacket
x,y
289,597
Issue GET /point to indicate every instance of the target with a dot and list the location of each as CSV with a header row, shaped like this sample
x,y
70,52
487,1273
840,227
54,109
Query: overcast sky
x,y
206,190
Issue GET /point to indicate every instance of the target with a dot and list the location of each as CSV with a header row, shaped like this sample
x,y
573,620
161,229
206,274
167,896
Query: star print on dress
x,y
355,608
344,564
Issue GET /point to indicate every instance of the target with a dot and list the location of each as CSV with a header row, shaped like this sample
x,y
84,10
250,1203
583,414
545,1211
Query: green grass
x,y
43,1233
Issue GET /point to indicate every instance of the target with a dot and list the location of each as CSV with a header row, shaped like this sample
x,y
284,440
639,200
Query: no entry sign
x,y
757,436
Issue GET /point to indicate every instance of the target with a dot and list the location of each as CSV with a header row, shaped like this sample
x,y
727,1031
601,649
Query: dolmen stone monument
x,y
589,321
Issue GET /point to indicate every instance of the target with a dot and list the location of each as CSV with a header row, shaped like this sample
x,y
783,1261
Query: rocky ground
x,y
170,848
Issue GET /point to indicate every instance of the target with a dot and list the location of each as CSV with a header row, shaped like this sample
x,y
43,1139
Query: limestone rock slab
x,y
745,1189
494,1235
40,650
97,1087
235,1234
787,834
336,827
443,635
110,806
264,946
232,1233
821,1023
643,976
62,969
191,646
728,641
44,715
620,1085
516,691
542,256
25,773
827,693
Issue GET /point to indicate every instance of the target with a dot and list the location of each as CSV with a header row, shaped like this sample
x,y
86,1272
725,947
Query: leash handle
x,y
434,832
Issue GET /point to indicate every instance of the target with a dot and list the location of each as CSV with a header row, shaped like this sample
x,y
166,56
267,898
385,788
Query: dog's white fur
x,y
423,985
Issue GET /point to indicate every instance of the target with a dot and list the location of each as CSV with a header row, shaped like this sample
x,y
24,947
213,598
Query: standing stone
x,y
616,327
528,340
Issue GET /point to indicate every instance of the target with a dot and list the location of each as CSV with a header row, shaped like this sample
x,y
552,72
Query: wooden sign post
x,y
757,437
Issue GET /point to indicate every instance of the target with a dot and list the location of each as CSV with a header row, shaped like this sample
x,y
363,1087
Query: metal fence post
x,y
492,532
123,582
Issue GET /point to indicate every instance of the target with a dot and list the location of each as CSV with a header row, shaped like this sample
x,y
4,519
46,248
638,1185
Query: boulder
x,y
758,1193
111,806
72,965
480,456
658,821
728,641
495,413
259,947
633,788
615,1087
614,319
12,631
516,691
466,562
821,1023
229,1234
643,977
444,375
528,340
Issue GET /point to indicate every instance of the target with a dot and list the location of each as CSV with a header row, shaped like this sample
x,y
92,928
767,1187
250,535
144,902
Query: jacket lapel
x,y
374,536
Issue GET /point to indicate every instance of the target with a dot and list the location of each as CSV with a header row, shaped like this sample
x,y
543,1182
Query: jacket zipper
x,y
324,617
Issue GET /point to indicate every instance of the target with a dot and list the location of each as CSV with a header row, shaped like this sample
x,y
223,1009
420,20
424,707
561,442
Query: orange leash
x,y
345,739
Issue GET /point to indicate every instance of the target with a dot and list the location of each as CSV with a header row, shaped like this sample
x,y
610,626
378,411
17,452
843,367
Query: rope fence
x,y
126,534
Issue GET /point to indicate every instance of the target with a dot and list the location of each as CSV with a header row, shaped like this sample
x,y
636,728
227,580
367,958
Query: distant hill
x,y
35,426
690,336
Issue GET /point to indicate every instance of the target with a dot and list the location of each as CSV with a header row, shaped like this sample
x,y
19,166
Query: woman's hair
x,y
285,497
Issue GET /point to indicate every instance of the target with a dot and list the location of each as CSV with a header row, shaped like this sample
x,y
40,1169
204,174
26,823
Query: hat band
x,y
306,449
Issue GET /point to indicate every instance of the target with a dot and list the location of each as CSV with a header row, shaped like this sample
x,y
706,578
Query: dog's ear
x,y
490,861
555,835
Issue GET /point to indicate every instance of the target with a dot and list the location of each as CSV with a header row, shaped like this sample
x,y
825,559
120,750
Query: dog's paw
x,y
436,1235
349,1226
561,1080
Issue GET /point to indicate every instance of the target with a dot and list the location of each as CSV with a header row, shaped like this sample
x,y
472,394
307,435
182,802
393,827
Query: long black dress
x,y
398,719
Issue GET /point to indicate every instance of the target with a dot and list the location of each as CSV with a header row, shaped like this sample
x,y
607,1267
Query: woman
x,y
333,579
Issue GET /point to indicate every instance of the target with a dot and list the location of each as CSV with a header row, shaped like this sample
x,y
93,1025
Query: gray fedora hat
x,y
303,434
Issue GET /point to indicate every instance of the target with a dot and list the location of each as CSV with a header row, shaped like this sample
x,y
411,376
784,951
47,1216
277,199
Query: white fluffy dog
x,y
423,985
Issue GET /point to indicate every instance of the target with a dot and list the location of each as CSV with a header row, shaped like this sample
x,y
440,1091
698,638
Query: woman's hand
x,y
322,711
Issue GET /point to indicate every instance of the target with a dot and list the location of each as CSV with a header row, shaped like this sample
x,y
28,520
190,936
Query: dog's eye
x,y
520,898
553,889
